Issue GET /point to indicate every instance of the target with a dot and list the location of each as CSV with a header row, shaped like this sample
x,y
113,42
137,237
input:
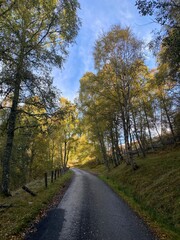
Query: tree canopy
x,y
34,36
125,105
167,14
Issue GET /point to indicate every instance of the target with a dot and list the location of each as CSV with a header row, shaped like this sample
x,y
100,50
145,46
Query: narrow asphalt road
x,y
90,210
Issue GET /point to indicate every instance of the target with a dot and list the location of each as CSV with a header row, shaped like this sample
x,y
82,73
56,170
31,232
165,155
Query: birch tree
x,y
34,36
122,51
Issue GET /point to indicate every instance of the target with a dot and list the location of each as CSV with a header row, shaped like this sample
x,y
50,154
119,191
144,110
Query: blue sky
x,y
98,16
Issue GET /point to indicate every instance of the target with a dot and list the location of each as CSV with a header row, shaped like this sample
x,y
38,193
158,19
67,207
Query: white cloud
x,y
98,16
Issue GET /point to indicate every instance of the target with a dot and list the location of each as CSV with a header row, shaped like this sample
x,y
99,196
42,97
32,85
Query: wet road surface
x,y
90,210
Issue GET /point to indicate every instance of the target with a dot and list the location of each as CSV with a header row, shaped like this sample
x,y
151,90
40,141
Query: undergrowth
x,y
152,190
23,208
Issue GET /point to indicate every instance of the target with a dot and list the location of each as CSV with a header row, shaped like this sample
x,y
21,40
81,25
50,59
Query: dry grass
x,y
25,207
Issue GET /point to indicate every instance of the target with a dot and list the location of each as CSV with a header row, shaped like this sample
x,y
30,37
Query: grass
x,y
152,190
25,208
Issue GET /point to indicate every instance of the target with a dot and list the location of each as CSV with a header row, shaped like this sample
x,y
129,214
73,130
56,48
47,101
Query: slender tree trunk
x,y
129,159
142,136
121,147
67,156
102,144
103,149
9,141
118,152
65,153
133,138
169,120
31,163
137,137
113,148
52,152
127,147
61,155
160,138
148,126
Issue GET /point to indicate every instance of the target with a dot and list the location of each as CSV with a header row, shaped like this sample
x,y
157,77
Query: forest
x,y
124,109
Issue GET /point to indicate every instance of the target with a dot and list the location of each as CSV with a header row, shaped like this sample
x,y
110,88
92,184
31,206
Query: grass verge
x,y
25,208
152,190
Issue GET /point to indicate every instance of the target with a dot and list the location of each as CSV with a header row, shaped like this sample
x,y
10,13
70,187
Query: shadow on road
x,y
49,227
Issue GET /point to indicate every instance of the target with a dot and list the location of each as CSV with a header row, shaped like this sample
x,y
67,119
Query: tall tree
x,y
122,51
167,14
34,36
165,98
92,109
